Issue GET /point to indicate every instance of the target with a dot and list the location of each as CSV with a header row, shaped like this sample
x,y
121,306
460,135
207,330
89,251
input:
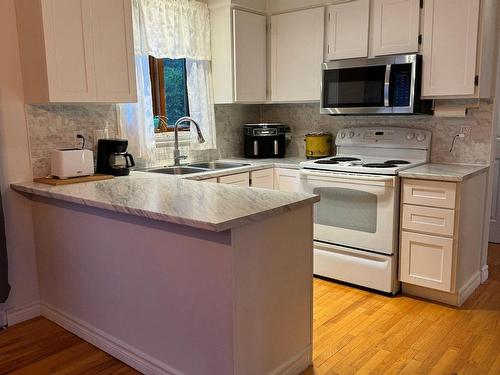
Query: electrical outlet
x,y
466,131
78,142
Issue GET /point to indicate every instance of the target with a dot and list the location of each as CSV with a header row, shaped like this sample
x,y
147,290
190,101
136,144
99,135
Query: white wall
x,y
15,166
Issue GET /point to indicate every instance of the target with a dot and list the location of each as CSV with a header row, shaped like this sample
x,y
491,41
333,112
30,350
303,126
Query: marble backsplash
x,y
475,149
55,126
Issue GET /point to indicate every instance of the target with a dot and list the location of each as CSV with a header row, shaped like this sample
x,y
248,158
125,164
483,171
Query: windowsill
x,y
167,139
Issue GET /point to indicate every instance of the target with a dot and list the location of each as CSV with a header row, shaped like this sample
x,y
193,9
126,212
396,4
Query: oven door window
x,y
347,209
354,87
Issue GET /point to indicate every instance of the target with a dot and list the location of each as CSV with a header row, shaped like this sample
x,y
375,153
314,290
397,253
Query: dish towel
x,y
4,274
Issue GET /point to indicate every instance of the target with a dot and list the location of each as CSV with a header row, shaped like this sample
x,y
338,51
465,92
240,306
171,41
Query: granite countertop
x,y
444,172
209,206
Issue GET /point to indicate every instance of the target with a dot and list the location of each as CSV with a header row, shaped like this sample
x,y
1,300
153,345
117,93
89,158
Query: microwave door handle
x,y
387,84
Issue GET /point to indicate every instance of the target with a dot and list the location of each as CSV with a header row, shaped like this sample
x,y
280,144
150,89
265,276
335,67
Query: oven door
x,y
358,211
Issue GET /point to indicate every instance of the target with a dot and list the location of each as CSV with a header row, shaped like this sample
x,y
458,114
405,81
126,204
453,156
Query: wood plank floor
x,y
355,332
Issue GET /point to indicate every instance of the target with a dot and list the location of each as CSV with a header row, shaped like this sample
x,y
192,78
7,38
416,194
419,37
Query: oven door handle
x,y
387,84
352,177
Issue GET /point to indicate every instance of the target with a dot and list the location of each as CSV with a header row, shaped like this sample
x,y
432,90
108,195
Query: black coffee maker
x,y
113,158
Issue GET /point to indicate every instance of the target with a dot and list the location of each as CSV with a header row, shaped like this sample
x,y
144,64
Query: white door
x,y
395,26
240,179
348,30
286,179
250,60
450,47
296,55
263,178
70,54
495,200
354,210
426,261
114,51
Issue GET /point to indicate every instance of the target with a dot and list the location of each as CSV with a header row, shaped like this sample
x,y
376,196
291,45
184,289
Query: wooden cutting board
x,y
75,180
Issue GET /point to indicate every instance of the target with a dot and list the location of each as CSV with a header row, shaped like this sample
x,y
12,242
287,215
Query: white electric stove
x,y
356,222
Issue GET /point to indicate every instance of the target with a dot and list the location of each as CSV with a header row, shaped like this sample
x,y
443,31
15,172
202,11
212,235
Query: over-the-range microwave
x,y
381,85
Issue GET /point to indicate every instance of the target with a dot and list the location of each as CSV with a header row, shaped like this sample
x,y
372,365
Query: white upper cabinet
x,y
395,26
113,50
450,48
76,50
239,59
250,59
296,55
348,30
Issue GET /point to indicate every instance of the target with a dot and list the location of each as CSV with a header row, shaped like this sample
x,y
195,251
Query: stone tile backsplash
x,y
304,118
55,126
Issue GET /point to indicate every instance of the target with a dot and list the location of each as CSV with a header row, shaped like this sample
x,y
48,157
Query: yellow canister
x,y
318,145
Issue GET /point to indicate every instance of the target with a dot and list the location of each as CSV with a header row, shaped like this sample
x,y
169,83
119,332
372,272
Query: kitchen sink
x,y
212,165
177,170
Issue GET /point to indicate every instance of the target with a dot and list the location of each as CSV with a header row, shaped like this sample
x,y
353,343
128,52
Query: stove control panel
x,y
393,137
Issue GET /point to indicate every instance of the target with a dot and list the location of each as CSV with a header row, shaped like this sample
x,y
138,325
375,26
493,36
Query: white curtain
x,y
136,119
173,29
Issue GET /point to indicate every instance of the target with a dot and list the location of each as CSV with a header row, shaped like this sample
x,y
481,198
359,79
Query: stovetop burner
x,y
330,161
379,165
397,162
342,159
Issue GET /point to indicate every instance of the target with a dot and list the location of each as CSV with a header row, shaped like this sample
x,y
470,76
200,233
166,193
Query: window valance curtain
x,y
171,29
175,29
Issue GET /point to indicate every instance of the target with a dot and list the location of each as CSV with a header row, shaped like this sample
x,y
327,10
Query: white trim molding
x,y
111,345
20,314
297,364
484,274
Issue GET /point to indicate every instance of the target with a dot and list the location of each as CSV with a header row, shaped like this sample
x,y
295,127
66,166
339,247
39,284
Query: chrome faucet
x,y
177,154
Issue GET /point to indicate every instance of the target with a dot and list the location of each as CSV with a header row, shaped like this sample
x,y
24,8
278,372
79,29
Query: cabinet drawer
x,y
429,193
431,220
240,179
214,179
426,261
263,178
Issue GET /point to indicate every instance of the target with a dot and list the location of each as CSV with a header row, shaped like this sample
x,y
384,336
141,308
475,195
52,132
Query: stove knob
x,y
421,137
342,135
351,134
410,136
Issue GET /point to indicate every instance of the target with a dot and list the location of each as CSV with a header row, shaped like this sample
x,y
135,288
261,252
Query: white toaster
x,y
73,162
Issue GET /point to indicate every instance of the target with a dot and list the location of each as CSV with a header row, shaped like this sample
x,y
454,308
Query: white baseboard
x,y
111,345
20,314
484,274
469,288
297,364
3,318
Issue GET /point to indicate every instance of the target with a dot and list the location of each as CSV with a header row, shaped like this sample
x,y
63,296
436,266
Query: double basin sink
x,y
196,168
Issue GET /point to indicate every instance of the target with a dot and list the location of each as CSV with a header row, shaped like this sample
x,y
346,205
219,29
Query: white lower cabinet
x,y
427,261
286,179
210,180
263,178
240,179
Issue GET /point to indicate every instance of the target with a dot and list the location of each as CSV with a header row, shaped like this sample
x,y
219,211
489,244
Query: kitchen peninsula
x,y
179,277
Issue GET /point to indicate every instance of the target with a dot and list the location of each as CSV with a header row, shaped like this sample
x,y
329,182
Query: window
x,y
169,92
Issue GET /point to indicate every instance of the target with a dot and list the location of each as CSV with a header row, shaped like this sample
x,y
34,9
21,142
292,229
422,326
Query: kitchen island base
x,y
172,299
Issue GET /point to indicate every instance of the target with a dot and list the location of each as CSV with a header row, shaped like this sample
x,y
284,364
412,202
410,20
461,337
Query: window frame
x,y
157,74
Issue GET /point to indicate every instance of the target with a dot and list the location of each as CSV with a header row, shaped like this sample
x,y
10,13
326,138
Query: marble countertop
x,y
209,206
444,172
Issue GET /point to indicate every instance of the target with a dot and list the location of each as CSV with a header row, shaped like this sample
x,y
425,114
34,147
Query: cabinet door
x,y
240,179
286,179
296,55
69,50
114,51
395,26
348,30
250,61
426,261
450,47
263,178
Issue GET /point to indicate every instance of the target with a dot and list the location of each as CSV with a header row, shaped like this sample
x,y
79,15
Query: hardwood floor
x,y
355,332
